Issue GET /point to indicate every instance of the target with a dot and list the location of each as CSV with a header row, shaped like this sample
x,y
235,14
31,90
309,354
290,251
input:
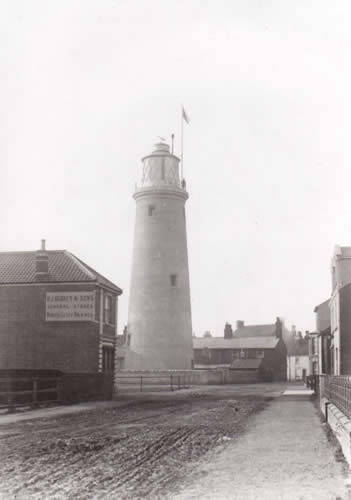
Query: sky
x,y
86,88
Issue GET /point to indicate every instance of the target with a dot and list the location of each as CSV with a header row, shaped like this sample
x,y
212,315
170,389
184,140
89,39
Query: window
x,y
108,359
259,353
242,353
108,309
173,278
151,210
206,354
297,360
314,345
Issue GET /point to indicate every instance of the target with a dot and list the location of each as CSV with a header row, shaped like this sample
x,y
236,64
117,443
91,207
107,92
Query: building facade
x,y
263,343
340,307
56,312
159,318
298,363
322,341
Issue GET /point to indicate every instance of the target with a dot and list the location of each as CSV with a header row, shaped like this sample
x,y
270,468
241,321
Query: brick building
x,y
320,342
236,350
56,312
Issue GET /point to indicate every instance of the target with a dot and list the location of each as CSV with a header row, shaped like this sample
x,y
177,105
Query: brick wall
x,y
276,361
28,341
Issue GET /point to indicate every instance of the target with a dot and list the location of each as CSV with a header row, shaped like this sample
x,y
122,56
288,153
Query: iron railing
x,y
150,383
337,389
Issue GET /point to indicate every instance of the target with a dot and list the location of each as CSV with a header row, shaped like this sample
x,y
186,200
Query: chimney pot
x,y
278,328
228,331
239,324
42,263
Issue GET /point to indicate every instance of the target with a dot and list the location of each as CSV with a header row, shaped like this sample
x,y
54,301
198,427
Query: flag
x,y
185,116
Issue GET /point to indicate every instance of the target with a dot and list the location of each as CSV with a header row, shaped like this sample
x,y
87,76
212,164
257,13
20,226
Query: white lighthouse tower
x,y
159,320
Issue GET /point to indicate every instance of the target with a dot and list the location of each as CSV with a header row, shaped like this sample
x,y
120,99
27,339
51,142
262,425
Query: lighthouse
x,y
159,317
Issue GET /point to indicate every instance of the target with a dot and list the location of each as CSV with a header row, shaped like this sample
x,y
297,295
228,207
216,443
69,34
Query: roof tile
x,y
235,343
19,267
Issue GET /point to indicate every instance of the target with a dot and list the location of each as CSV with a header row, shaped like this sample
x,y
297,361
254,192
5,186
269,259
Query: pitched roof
x,y
19,267
255,331
324,304
235,343
246,364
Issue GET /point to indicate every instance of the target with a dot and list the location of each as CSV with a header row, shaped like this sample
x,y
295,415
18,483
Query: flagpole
x,y
181,144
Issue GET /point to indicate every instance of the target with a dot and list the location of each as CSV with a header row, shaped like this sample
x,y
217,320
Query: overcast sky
x,y
86,86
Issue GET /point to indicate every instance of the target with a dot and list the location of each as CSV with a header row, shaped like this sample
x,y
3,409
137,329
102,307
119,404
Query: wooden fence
x,y
29,391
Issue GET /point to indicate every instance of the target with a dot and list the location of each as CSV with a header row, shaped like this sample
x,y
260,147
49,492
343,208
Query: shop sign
x,y
70,306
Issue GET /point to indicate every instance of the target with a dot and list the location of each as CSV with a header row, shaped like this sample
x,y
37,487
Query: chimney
x,y
228,331
278,328
42,263
239,324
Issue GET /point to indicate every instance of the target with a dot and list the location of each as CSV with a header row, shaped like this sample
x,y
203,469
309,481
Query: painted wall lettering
x,y
70,306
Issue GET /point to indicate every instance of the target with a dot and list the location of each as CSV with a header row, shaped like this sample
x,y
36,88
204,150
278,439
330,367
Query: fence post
x,y
59,390
35,393
141,383
171,382
10,398
178,382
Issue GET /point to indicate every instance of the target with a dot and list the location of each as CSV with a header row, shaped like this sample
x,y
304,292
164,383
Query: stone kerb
x,y
323,404
341,426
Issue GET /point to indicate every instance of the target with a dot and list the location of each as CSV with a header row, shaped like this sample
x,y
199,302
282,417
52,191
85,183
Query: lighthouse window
x,y
151,209
173,280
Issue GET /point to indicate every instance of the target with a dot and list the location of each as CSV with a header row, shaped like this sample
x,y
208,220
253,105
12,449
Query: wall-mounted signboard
x,y
70,306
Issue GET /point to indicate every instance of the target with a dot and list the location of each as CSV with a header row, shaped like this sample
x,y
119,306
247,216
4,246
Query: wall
x,y
213,356
323,316
191,377
241,376
295,370
335,330
341,426
28,341
345,330
342,262
77,387
276,360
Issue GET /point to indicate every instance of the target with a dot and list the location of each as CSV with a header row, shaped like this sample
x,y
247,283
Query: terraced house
x,y
258,351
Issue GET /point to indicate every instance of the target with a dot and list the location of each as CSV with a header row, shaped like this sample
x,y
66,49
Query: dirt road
x,y
142,450
234,442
